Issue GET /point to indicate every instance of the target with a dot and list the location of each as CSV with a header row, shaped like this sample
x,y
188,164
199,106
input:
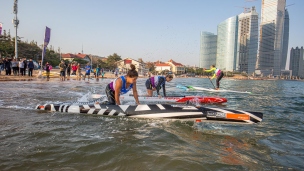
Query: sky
x,y
148,29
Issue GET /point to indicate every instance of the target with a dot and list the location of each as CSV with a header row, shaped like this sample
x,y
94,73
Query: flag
x,y
47,36
0,29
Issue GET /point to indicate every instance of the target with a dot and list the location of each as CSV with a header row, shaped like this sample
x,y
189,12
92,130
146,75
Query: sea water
x,y
40,140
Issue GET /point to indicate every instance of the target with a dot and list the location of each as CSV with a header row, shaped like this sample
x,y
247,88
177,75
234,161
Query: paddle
x,y
211,81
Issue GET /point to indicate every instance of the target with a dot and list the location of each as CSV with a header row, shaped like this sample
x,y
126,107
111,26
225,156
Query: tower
x,y
207,49
271,37
247,44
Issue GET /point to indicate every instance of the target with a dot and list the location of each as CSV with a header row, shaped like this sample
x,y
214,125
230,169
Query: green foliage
x,y
150,66
26,50
102,64
112,59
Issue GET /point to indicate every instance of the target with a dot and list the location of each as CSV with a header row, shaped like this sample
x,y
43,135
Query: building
x,y
285,41
247,44
160,67
271,37
297,62
208,47
70,57
124,65
176,68
227,44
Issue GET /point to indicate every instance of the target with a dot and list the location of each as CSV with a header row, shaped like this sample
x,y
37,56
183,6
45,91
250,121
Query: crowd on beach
x,y
74,68
17,67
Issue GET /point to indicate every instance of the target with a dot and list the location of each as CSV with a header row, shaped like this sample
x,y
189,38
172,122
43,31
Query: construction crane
x,y
289,5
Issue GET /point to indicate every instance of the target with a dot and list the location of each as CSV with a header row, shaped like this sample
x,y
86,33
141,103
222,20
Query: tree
x,y
112,59
150,66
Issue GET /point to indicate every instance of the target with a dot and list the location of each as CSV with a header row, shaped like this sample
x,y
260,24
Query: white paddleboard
x,y
220,90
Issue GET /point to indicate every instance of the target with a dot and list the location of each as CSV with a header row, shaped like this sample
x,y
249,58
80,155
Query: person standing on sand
x,y
78,72
74,68
30,68
47,70
62,68
87,72
68,70
15,67
21,68
122,85
216,73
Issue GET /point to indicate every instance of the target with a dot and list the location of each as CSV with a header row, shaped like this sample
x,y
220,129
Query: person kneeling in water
x,y
156,83
122,85
216,73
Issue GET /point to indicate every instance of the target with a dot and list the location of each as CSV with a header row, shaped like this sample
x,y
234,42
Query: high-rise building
x,y
247,44
297,62
271,36
285,41
227,44
207,49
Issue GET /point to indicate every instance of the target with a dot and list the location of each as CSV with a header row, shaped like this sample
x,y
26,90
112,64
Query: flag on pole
x,y
47,37
0,29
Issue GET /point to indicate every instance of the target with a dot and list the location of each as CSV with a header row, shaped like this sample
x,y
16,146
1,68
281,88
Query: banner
x,y
0,29
47,37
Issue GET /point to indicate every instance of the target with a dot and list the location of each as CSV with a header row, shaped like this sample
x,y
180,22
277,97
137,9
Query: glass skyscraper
x,y
247,44
271,36
297,62
285,41
227,44
207,49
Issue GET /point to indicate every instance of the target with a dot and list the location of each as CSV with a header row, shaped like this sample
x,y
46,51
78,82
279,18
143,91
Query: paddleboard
x,y
170,99
164,111
220,90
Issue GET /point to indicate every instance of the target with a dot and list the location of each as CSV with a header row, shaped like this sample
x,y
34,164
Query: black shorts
x,y
148,84
111,95
62,73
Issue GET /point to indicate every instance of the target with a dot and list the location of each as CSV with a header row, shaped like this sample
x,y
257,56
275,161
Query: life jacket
x,y
217,72
123,89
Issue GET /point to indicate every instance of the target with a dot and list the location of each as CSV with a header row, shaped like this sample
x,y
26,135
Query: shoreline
x,y
55,74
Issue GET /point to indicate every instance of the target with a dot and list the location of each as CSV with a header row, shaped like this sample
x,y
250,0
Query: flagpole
x,y
16,22
47,37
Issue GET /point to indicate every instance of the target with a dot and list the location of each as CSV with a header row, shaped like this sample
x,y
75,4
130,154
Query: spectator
x,y
74,68
21,67
88,71
68,70
47,70
8,66
62,68
30,68
78,72
15,66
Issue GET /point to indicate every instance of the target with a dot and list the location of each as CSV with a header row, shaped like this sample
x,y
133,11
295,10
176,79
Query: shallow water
x,y
39,140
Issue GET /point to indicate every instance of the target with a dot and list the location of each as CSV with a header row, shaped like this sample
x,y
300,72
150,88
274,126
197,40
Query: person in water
x,y
156,83
216,73
122,85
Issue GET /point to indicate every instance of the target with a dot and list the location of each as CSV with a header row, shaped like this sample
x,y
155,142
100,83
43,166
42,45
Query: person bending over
x,y
122,85
216,73
156,83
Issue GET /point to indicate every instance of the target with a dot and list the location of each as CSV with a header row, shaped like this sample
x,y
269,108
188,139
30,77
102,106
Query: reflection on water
x,y
41,140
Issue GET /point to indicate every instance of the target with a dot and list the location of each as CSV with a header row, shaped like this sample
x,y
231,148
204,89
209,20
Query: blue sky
x,y
149,29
